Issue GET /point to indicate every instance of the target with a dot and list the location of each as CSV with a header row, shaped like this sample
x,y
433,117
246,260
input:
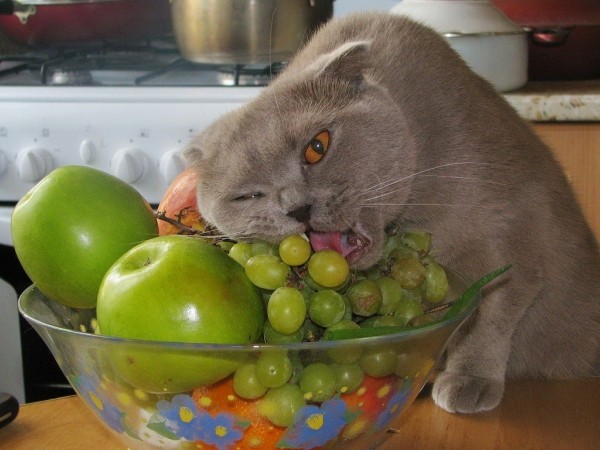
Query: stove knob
x,y
170,165
33,164
3,162
87,151
129,164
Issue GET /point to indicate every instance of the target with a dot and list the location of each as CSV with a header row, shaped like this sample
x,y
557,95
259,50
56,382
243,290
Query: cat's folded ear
x,y
349,61
193,155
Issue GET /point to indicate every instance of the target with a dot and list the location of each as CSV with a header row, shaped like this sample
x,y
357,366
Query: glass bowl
x,y
377,379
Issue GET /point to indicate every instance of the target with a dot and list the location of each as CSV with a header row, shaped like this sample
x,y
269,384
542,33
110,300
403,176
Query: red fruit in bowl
x,y
178,210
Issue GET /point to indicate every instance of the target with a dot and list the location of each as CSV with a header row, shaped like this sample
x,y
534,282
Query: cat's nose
x,y
301,214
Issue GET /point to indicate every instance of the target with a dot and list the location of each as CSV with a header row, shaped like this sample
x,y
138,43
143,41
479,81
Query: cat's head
x,y
314,152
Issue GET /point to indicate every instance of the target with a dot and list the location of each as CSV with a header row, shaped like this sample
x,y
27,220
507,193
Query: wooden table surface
x,y
544,415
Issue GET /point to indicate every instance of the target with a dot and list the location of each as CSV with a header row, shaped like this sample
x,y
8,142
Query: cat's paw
x,y
466,394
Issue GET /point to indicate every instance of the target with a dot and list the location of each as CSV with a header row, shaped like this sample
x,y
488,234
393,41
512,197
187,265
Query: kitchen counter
x,y
536,415
548,101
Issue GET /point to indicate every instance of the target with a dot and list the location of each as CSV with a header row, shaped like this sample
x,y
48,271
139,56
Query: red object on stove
x,y
551,13
47,24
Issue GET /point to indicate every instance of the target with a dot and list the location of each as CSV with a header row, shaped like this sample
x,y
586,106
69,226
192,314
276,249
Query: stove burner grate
x,y
147,64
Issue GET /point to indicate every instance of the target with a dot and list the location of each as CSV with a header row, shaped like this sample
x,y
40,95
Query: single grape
x,y
391,294
407,309
328,268
435,285
273,368
294,250
246,384
348,377
417,240
267,271
409,272
365,297
281,404
286,310
241,252
326,308
378,362
317,381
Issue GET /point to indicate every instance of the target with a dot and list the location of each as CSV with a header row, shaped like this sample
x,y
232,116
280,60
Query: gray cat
x,y
377,121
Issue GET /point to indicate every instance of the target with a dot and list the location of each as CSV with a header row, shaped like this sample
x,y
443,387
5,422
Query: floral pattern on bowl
x,y
214,417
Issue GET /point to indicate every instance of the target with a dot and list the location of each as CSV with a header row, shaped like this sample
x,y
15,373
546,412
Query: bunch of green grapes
x,y
309,293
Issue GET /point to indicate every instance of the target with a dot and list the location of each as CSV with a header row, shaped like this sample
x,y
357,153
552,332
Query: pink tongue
x,y
331,241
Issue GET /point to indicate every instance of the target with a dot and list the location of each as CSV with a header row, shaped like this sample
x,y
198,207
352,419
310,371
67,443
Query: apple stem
x,y
183,229
208,232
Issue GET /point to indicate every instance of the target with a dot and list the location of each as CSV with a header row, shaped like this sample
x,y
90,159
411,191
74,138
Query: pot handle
x,y
549,37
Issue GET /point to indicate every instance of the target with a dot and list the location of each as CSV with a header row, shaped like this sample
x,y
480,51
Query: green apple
x,y
178,289
72,226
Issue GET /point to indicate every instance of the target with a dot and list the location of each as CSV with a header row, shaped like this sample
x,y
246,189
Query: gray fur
x,y
402,107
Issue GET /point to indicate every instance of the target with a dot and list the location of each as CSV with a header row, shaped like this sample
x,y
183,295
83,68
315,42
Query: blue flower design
x,y
183,418
219,431
88,390
395,405
314,426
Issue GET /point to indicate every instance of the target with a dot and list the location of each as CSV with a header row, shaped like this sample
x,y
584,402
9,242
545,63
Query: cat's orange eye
x,y
316,148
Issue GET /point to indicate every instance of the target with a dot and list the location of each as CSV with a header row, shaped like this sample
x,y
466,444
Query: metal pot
x,y
50,22
245,31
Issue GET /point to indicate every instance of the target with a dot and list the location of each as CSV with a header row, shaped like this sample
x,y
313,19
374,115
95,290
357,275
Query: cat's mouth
x,y
348,244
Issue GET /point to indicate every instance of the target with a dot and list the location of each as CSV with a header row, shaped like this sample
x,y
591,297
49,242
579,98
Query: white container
x,y
492,45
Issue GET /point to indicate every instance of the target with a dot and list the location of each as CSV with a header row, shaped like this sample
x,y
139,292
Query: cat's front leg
x,y
472,380
477,357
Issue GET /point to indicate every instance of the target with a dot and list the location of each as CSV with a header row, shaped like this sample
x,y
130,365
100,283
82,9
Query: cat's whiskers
x,y
374,205
385,184
455,177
